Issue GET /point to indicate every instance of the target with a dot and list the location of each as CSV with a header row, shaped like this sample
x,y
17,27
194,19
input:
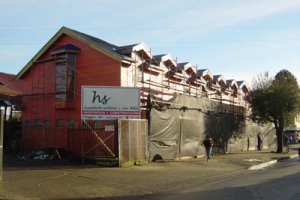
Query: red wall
x,y
92,68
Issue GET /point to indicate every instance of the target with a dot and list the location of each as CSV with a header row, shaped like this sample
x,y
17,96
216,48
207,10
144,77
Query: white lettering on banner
x,y
112,112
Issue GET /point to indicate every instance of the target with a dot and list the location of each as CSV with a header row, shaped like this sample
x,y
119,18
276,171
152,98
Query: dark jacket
x,y
208,143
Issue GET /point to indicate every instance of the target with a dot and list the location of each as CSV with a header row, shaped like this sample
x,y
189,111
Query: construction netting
x,y
178,127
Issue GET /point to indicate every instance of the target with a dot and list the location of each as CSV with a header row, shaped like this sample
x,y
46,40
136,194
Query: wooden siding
x,y
92,68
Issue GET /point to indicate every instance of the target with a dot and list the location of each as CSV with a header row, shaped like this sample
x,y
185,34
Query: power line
x,y
176,42
149,28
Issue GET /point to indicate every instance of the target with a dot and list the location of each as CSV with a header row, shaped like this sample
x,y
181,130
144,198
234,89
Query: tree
x,y
276,101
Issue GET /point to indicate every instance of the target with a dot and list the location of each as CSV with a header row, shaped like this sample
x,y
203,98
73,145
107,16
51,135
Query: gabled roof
x,y
158,57
134,47
5,90
164,58
5,78
141,47
9,81
182,65
204,72
10,89
243,85
96,43
126,49
219,78
92,39
186,66
231,83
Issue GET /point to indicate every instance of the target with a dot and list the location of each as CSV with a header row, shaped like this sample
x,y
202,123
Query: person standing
x,y
248,143
259,142
208,144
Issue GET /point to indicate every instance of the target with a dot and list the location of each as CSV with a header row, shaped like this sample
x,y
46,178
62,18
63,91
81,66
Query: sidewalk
x,y
255,160
252,160
62,180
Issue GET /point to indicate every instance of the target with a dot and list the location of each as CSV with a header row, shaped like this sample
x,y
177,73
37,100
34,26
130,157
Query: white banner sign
x,y
107,103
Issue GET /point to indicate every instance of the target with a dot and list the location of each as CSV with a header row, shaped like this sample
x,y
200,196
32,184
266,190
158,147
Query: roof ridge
x,y
94,39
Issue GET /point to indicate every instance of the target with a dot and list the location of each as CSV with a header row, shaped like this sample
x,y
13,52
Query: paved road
x,y
165,180
281,181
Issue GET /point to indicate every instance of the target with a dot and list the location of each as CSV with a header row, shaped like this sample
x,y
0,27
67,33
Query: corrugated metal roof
x,y
95,40
159,56
10,81
8,91
121,48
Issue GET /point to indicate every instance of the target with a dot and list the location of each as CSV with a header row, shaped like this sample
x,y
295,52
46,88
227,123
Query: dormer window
x,y
65,78
65,69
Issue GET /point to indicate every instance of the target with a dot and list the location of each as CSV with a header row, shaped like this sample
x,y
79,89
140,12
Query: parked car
x,y
291,137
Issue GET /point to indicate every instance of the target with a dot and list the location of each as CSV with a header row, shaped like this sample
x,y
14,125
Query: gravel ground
x,y
63,180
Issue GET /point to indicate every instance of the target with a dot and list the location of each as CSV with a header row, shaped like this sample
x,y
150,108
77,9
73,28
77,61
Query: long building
x,y
50,83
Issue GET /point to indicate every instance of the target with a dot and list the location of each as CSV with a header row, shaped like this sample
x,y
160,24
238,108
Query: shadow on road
x,y
285,187
12,162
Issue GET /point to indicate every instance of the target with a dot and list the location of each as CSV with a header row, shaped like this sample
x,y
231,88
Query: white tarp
x,y
108,103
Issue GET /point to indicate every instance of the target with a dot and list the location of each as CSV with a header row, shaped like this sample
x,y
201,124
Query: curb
x,y
267,164
262,165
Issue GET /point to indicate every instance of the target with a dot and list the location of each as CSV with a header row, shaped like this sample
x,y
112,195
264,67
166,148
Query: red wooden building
x,y
52,80
52,83
10,103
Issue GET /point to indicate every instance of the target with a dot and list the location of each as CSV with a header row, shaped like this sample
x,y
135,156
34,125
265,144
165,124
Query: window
x,y
298,117
27,124
84,124
70,123
97,124
35,123
46,123
58,123
65,77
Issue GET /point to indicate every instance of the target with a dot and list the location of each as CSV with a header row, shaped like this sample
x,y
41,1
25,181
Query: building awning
x,y
5,103
291,129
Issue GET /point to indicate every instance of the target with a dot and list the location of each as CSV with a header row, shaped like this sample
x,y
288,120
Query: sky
x,y
239,39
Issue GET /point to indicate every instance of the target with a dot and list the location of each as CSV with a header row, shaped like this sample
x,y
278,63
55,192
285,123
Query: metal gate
x,y
117,141
94,142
